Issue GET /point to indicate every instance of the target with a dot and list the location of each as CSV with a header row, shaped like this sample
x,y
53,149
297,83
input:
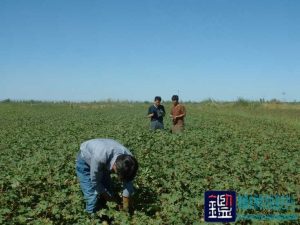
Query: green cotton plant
x,y
250,150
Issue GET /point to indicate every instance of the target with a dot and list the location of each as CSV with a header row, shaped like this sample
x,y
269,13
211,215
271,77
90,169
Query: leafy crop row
x,y
218,151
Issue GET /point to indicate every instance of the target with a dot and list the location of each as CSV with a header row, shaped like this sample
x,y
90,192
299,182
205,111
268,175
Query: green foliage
x,y
221,149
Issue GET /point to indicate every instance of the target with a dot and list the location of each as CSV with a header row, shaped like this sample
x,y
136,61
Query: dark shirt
x,y
158,112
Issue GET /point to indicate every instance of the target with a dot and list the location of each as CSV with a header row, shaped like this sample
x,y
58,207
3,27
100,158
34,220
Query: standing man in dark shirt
x,y
156,113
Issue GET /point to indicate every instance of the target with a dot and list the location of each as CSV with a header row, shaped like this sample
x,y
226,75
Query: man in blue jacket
x,y
96,160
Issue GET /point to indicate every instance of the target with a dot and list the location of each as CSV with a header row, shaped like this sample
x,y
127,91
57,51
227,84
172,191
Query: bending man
x,y
96,160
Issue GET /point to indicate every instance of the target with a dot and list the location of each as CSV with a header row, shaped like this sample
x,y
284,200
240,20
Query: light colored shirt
x,y
101,155
176,111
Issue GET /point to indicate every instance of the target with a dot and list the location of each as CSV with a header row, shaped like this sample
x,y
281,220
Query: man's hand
x,y
124,204
150,115
110,198
127,203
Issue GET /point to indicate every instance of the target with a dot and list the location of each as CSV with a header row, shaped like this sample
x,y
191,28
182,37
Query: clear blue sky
x,y
95,50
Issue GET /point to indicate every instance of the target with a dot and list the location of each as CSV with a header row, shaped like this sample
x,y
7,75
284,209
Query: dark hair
x,y
126,166
157,98
175,98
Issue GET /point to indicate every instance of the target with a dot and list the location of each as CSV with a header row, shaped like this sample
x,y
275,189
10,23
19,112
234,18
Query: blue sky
x,y
95,50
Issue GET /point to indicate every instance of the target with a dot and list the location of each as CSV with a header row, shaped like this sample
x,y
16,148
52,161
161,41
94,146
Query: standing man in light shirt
x,y
96,160
177,113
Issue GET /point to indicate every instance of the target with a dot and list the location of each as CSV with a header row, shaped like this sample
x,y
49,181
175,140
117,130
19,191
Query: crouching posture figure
x,y
96,160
